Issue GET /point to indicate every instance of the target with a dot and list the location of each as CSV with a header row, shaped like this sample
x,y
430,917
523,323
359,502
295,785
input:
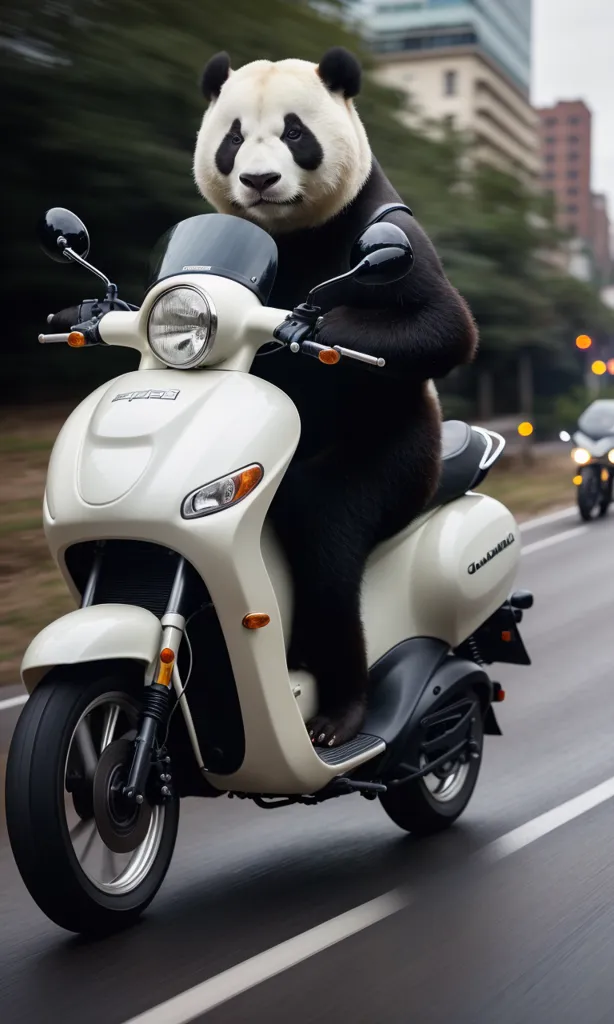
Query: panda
x,y
282,145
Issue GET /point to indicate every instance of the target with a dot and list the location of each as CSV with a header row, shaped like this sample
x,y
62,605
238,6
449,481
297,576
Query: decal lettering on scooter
x,y
129,396
488,557
196,268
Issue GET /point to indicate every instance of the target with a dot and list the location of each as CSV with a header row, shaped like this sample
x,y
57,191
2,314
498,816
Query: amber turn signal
x,y
329,356
256,620
76,339
506,636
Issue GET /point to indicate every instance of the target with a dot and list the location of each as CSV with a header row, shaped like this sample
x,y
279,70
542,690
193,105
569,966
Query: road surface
x,y
313,915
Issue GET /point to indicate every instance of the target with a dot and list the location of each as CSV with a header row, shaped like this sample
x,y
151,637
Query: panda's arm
x,y
421,326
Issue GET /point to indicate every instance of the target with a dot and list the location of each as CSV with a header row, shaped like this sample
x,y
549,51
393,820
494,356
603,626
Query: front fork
x,y
156,701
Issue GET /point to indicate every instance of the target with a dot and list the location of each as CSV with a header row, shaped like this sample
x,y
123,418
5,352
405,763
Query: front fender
x,y
97,633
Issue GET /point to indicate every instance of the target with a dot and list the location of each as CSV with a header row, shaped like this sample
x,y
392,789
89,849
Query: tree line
x,y
100,111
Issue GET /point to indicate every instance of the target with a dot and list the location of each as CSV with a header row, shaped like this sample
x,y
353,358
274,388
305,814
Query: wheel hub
x,y
122,824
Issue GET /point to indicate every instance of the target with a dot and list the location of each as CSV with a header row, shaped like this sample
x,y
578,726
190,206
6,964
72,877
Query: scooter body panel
x,y
134,449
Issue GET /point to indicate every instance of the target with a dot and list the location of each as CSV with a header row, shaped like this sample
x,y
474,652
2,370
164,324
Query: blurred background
x,y
494,120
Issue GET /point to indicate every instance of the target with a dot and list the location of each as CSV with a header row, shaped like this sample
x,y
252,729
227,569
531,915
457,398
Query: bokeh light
x,y
583,341
525,429
599,367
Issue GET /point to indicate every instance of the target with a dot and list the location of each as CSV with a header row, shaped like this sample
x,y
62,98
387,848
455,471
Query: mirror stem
x,y
325,284
70,254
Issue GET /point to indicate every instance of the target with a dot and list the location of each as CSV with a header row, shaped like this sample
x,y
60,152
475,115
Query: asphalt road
x,y
523,934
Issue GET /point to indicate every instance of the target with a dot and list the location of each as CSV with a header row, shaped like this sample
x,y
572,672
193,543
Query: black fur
x,y
302,143
368,458
215,73
340,71
228,148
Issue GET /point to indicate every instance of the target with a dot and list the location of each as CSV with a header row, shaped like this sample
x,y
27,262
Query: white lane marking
x,y
202,998
533,830
195,1002
548,542
13,702
552,517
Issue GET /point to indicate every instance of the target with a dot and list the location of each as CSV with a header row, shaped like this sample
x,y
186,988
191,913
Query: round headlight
x,y
181,327
581,456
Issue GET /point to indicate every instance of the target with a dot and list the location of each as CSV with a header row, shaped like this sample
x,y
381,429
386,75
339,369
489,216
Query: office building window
x,y
573,175
573,119
549,176
550,140
572,208
573,140
450,83
551,121
573,155
550,158
572,191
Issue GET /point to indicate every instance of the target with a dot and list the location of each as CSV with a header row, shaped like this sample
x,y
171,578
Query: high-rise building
x,y
467,62
566,157
601,238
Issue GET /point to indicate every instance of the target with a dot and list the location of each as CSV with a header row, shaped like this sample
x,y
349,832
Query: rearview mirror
x,y
382,254
59,230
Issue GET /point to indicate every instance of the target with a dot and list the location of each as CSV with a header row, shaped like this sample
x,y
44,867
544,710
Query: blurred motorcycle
x,y
171,678
593,454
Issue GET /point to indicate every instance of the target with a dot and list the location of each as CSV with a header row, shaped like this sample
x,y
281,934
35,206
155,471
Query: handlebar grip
x,y
65,319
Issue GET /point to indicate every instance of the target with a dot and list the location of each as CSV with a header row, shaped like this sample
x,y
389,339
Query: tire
x,y
416,809
43,759
588,495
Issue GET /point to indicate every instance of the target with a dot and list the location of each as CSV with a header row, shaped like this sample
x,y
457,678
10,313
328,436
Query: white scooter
x,y
171,679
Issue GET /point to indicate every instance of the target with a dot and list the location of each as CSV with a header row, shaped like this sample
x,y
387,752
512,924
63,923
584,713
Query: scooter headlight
x,y
181,327
581,456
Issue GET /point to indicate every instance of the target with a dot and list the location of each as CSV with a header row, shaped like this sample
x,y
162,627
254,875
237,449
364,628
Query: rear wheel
x,y
432,803
90,860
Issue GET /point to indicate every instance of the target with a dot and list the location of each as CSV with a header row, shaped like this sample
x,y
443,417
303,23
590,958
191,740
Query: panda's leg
x,y
327,546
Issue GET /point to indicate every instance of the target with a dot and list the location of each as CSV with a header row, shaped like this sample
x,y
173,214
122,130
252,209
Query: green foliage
x,y
100,110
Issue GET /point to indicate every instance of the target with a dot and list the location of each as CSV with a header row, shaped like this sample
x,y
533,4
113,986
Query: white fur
x,y
260,94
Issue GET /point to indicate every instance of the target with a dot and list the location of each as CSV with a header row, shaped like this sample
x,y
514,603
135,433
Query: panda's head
x,y
281,143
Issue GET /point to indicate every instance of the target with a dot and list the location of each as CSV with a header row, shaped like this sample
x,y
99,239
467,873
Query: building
x,y
566,158
565,150
601,237
464,62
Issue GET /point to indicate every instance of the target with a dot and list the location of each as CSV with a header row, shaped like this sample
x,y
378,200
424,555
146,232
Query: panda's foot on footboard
x,y
331,729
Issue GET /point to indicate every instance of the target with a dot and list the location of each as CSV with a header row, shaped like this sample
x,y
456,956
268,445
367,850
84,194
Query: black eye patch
x,y
302,143
229,147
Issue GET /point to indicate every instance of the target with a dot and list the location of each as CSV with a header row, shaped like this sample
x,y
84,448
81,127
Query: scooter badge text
x,y
488,557
129,396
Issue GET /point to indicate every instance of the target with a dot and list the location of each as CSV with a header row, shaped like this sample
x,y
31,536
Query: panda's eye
x,y
293,134
236,140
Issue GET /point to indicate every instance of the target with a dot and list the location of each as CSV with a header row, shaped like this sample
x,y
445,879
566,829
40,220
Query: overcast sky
x,y
573,46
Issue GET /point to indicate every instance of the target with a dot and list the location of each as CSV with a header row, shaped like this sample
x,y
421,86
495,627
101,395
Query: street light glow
x,y
583,341
599,367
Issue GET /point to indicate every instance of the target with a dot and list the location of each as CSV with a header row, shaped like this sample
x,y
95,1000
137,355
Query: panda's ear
x,y
340,71
216,72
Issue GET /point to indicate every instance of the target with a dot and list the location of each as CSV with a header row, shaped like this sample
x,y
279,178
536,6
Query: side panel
x,y
429,580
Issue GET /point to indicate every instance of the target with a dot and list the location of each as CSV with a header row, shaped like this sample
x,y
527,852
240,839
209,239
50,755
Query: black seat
x,y
467,455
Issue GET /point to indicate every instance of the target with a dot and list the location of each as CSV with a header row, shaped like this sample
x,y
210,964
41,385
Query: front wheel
x,y
589,495
432,803
90,860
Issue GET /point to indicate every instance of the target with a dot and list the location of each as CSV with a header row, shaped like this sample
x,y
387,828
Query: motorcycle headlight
x,y
181,327
581,456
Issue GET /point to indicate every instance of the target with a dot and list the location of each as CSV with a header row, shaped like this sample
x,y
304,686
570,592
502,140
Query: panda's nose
x,y
259,182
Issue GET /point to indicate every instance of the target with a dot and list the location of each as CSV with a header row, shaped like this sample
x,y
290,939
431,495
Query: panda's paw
x,y
337,727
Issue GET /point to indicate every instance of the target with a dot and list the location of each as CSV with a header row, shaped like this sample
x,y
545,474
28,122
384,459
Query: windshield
x,y
216,243
598,420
